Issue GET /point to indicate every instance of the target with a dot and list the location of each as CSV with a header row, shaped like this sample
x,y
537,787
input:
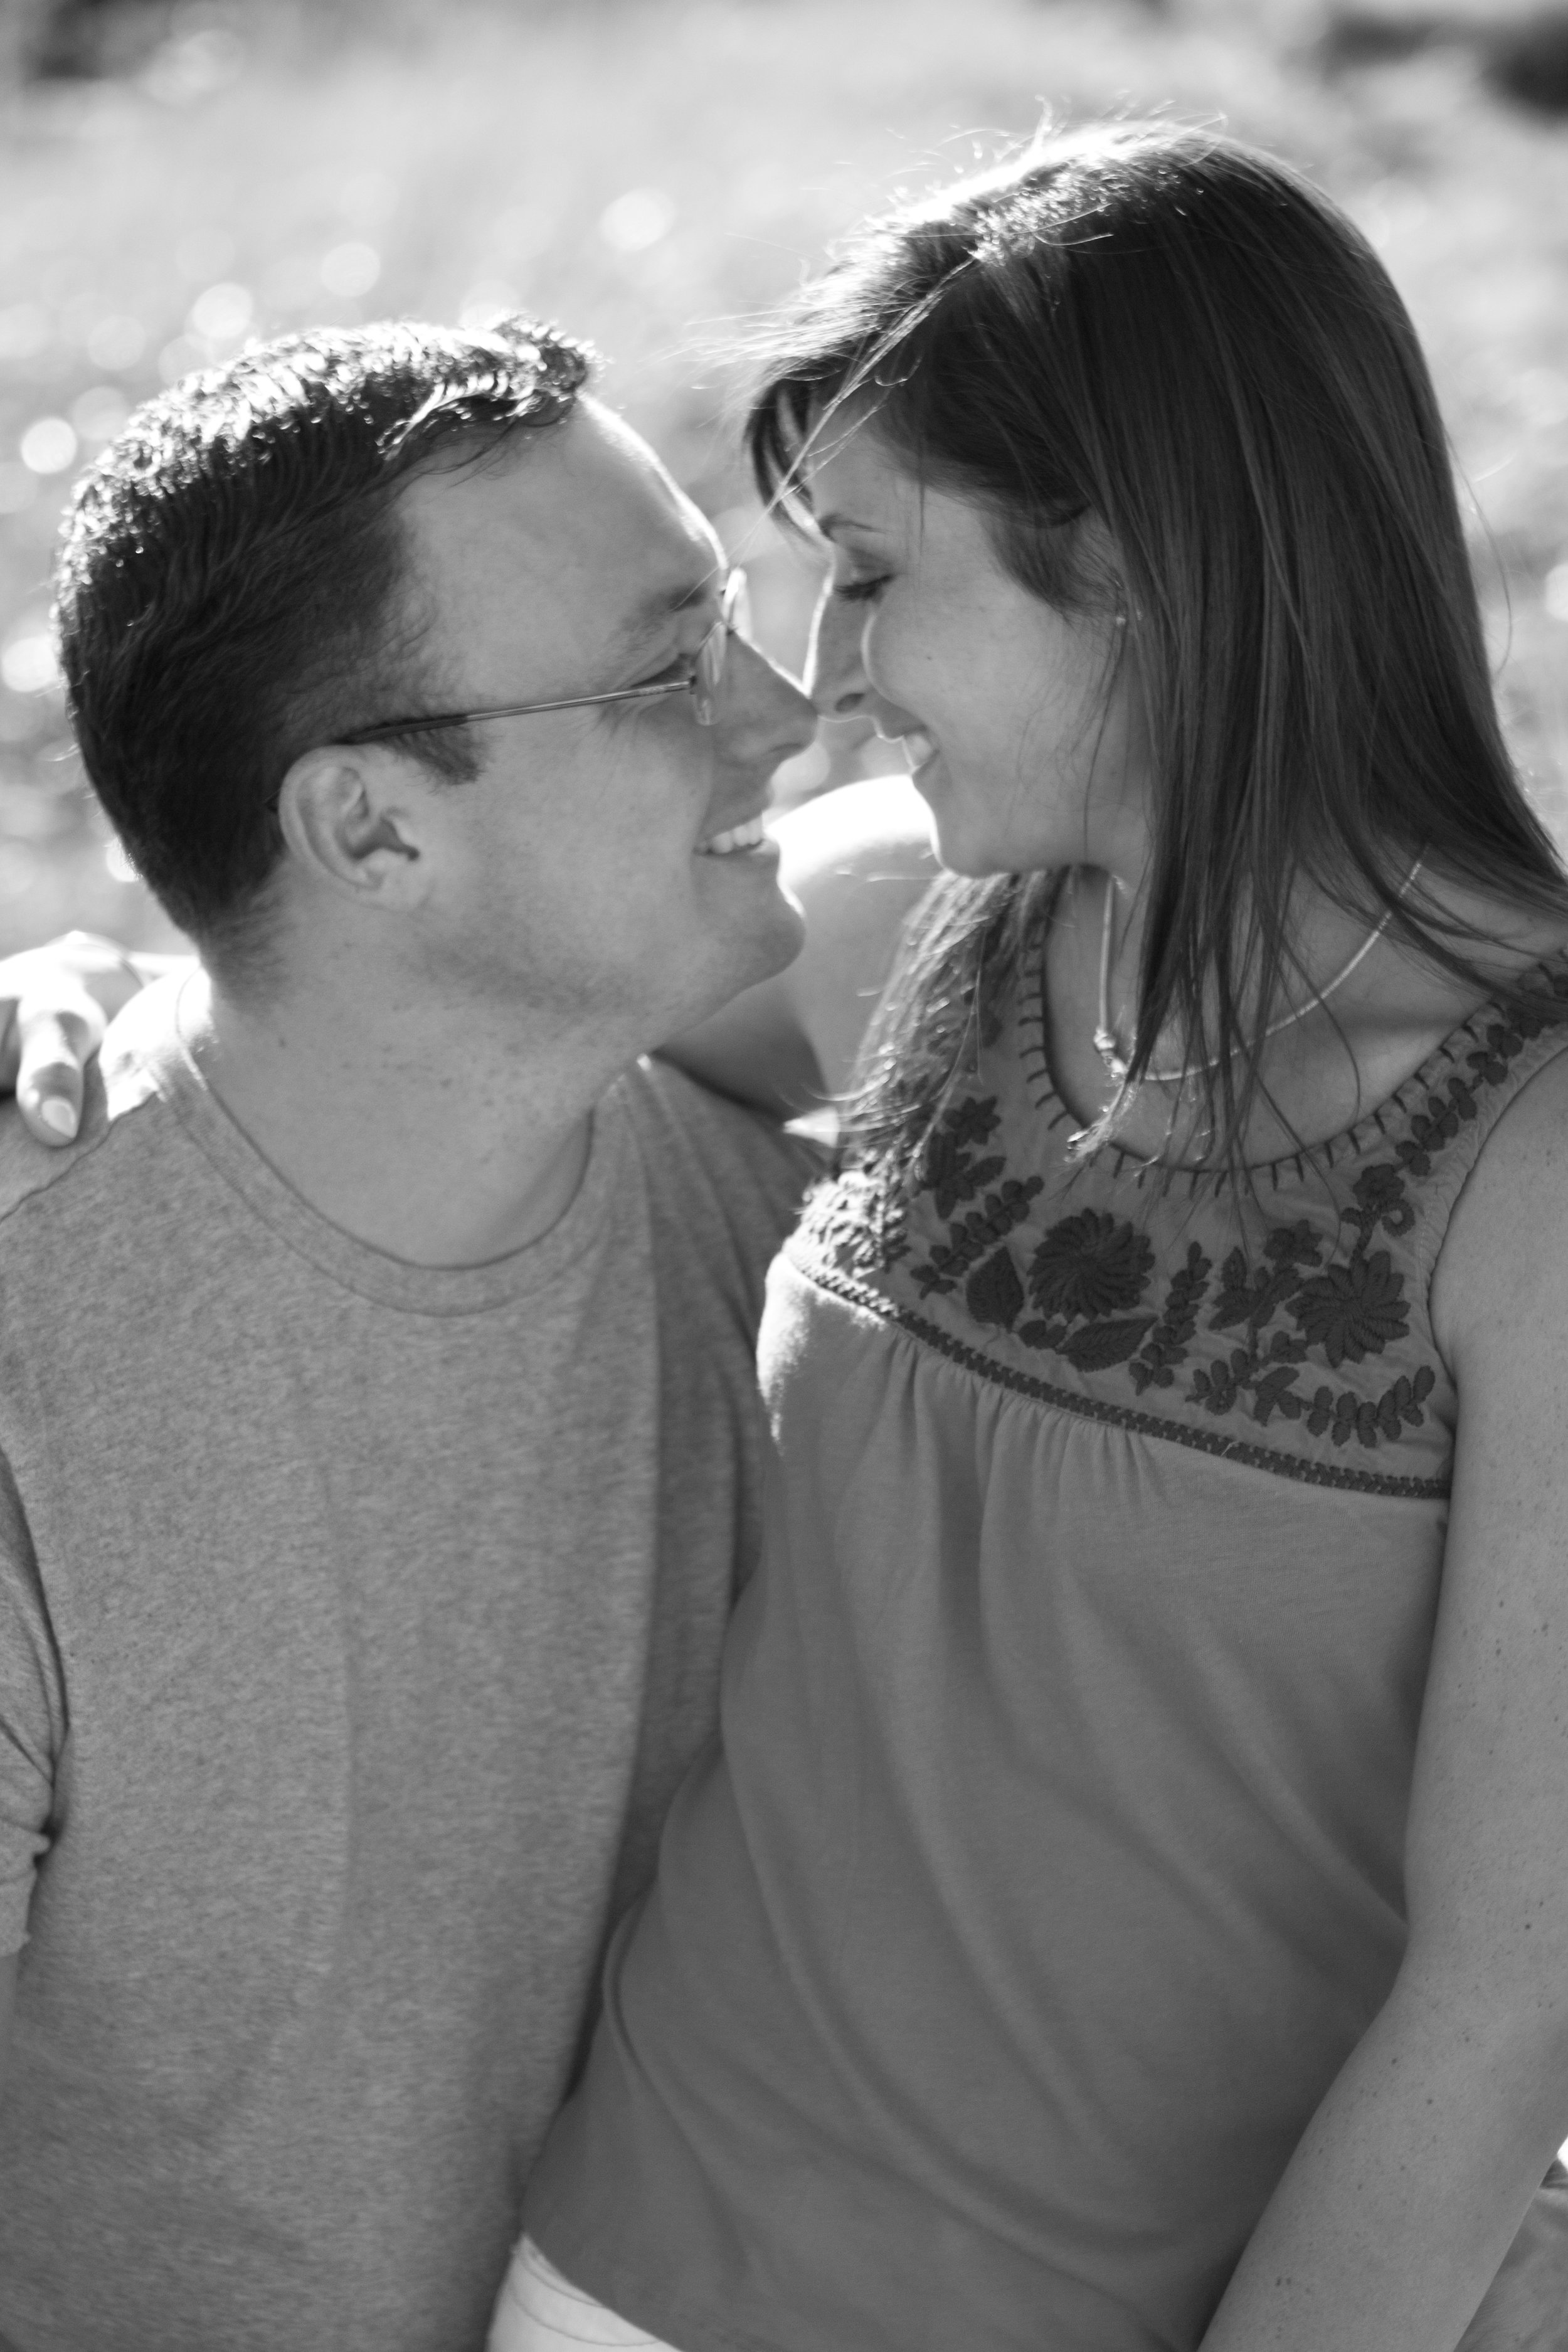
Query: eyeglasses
x,y
706,676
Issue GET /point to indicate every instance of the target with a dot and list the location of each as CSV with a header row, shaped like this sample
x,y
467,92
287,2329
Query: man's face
x,y
578,873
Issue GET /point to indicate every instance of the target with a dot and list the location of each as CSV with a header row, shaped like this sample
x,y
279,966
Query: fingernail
x,y
58,1114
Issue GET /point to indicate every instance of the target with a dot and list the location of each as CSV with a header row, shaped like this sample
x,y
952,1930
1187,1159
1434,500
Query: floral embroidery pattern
x,y
952,1171
1252,1337
1091,1264
1092,1277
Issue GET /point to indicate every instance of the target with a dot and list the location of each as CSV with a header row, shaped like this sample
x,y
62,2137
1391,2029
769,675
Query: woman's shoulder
x,y
1405,995
1505,1249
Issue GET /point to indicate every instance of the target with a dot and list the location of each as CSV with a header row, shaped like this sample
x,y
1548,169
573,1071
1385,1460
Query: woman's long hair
x,y
1167,334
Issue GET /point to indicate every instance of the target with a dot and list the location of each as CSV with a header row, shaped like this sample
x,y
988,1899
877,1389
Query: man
x,y
377,1442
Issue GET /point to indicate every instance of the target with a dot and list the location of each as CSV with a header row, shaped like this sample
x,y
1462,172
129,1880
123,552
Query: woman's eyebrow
x,y
829,525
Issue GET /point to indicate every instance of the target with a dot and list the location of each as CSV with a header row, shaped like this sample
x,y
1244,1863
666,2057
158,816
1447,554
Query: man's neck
x,y
442,1138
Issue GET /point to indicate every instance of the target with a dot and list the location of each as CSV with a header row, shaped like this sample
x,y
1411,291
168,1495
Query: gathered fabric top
x,y
1051,1863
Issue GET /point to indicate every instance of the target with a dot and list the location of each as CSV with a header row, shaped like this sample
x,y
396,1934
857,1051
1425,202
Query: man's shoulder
x,y
722,1181
731,1142
30,1170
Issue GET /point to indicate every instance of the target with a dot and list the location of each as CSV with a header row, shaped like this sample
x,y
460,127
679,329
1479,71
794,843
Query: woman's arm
x,y
857,860
1414,2176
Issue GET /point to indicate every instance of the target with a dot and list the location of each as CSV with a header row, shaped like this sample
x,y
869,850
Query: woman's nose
x,y
835,675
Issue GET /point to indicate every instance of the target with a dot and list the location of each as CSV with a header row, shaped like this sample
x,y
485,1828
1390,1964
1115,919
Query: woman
x,y
1125,1910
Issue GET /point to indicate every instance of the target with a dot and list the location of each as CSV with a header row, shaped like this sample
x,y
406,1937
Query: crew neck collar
x,y
147,1046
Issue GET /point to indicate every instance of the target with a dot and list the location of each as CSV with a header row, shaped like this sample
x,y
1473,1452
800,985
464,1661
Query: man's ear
x,y
349,818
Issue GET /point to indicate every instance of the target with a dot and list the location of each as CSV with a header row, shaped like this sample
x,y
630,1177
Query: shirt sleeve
x,y
32,1718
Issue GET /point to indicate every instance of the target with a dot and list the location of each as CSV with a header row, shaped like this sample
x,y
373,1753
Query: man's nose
x,y
835,674
763,712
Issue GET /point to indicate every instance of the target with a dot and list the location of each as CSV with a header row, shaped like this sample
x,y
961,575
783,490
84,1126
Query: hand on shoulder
x,y
56,1003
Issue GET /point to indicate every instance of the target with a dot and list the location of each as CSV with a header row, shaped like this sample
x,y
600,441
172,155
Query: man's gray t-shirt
x,y
356,1622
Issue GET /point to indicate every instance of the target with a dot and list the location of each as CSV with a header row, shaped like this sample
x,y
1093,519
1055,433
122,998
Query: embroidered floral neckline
x,y
1296,1314
1362,1135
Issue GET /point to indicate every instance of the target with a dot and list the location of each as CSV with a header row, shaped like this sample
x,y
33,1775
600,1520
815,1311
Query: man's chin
x,y
784,937
792,932
767,944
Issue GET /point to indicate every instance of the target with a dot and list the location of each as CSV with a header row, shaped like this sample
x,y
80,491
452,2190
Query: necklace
x,y
1105,1039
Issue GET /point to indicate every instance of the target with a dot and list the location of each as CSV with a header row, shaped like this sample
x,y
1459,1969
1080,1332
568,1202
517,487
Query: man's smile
x,y
753,833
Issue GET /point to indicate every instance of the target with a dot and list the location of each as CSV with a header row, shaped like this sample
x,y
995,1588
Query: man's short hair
x,y
232,590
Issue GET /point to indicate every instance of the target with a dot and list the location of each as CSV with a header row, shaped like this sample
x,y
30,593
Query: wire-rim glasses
x,y
706,676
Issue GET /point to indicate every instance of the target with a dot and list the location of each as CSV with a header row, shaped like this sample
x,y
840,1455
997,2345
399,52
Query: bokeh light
x,y
350,269
637,220
116,341
28,664
222,314
48,446
99,413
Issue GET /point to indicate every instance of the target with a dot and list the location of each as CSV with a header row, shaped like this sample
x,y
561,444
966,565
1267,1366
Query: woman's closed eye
x,y
860,592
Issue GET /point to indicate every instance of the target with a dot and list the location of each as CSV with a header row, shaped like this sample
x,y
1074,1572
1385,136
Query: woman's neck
x,y
1325,1065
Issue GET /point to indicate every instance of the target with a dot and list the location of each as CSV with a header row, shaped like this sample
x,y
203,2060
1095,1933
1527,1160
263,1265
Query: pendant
x,y
1110,1054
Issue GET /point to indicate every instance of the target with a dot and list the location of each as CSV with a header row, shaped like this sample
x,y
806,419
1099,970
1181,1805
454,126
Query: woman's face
x,y
1023,726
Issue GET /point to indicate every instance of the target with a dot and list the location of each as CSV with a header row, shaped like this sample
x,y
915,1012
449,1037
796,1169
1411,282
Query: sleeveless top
x,y
1049,1866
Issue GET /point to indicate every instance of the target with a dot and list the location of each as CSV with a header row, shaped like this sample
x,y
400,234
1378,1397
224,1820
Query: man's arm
x,y
858,860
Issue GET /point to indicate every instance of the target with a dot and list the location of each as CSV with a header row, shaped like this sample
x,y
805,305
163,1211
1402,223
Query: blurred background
x,y
175,179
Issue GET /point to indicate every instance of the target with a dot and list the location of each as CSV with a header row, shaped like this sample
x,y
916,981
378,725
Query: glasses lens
x,y
734,620
737,605
708,671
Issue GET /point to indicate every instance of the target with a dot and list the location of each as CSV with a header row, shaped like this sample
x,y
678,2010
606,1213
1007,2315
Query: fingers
x,y
76,964
55,1040
54,1002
